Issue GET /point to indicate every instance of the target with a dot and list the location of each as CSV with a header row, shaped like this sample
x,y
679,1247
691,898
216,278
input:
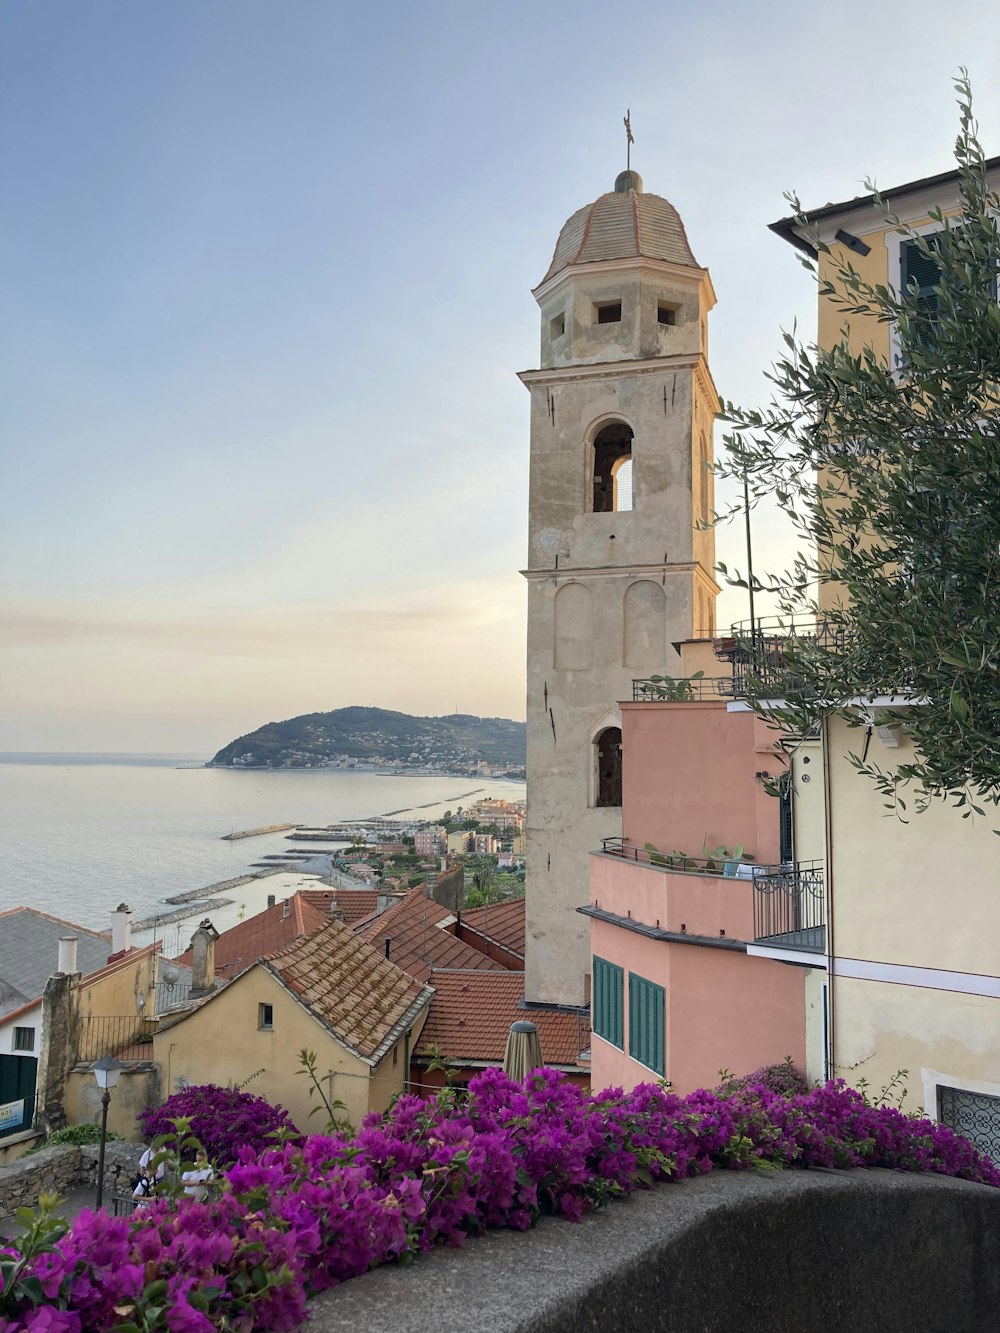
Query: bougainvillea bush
x,y
300,1217
224,1120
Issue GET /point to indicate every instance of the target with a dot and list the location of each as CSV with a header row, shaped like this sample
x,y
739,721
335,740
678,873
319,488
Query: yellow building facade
x,y
913,908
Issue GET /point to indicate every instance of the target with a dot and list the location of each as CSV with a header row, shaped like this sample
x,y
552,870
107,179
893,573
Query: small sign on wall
x,y
11,1114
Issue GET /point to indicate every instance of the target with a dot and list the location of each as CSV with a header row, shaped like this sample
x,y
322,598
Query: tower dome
x,y
626,223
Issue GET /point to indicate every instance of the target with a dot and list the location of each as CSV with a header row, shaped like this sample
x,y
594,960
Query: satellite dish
x,y
140,1002
169,977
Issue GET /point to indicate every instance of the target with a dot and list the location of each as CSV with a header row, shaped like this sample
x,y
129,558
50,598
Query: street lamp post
x,y
106,1071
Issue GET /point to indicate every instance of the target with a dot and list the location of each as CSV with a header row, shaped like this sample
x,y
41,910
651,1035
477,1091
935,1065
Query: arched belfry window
x,y
613,469
608,752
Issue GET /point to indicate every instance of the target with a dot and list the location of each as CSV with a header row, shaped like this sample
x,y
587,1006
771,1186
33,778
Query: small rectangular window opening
x,y
666,314
608,312
24,1039
557,326
265,1017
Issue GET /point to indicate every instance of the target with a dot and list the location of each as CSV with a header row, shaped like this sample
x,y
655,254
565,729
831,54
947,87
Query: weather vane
x,y
629,141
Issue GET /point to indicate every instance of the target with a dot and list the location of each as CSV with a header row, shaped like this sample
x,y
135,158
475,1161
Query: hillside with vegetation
x,y
349,737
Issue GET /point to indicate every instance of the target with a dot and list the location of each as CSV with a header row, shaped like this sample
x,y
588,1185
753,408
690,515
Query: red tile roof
x,y
471,1015
351,988
502,922
420,937
240,946
354,904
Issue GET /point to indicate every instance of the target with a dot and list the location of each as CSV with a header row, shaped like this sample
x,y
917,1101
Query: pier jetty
x,y
256,832
194,895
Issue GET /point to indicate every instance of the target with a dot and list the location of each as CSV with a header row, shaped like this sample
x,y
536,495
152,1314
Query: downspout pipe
x,y
828,886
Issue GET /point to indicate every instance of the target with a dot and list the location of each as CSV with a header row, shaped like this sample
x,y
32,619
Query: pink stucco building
x,y
675,993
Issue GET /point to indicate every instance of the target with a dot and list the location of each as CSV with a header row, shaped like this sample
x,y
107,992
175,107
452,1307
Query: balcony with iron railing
x,y
700,897
760,649
789,907
717,898
757,650
128,1037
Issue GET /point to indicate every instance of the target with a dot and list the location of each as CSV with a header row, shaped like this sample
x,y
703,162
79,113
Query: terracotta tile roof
x,y
420,937
503,922
354,904
471,1014
240,946
362,998
622,226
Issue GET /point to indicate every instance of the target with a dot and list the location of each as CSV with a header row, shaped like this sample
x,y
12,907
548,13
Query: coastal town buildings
x,y
913,915
619,569
677,992
329,992
760,903
91,993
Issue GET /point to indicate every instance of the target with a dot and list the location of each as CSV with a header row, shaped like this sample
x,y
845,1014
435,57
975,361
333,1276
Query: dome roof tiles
x,y
626,225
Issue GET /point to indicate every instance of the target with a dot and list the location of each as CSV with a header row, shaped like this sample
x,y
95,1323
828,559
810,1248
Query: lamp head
x,y
106,1071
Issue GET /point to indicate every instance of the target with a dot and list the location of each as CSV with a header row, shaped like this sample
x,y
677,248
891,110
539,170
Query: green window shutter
x,y
924,271
608,1001
646,1023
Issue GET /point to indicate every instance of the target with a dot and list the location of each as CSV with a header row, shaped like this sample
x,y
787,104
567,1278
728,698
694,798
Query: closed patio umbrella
x,y
524,1051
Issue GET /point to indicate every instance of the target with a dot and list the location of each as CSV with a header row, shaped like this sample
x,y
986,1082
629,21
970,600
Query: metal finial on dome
x,y
628,180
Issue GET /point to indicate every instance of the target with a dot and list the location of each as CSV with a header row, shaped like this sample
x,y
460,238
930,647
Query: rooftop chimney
x,y
388,945
203,959
271,900
286,908
67,954
121,929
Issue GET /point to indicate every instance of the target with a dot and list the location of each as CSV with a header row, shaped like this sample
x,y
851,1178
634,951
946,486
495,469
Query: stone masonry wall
x,y
51,1171
64,1168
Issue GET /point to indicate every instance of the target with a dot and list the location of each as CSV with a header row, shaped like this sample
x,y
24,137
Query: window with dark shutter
x,y
646,1021
923,270
607,1001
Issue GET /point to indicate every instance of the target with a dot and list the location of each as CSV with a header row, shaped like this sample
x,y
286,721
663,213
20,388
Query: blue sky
x,y
266,276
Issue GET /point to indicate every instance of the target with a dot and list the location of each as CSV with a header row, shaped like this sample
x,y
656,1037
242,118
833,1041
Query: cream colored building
x,y
330,993
622,409
913,909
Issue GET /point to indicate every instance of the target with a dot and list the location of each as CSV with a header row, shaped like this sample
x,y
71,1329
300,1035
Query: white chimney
x,y
121,929
67,954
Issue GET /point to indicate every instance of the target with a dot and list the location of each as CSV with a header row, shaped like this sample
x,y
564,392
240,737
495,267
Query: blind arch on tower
x,y
645,625
574,628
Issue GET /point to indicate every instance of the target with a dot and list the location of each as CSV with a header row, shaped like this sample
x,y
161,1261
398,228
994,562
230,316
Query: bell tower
x,y
618,569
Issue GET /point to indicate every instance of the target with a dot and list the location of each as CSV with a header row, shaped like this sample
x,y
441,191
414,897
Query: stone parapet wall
x,y
64,1168
51,1171
810,1251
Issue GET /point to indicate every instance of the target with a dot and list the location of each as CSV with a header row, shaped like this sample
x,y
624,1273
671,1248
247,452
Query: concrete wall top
x,y
809,1252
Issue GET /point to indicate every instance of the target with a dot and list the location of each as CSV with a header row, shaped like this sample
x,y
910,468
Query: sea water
x,y
80,834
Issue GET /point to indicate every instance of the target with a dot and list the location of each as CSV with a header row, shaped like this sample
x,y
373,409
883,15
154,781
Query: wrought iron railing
x,y
683,689
974,1114
789,905
758,649
726,864
128,1037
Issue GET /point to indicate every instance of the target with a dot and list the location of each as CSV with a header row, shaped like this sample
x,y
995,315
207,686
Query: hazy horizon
x,y
267,275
